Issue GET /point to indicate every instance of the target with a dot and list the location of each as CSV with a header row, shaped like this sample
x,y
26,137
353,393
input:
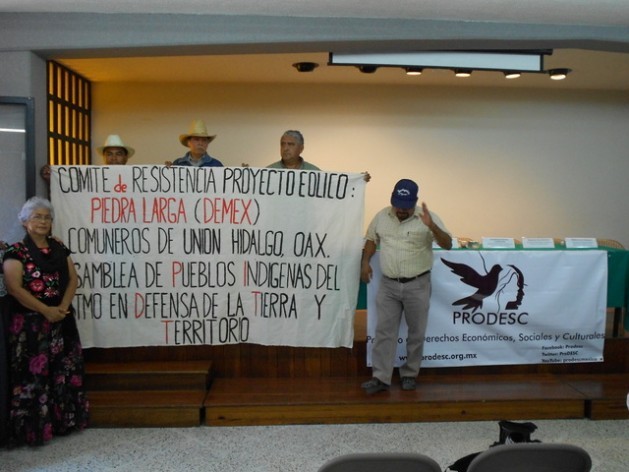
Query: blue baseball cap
x,y
404,194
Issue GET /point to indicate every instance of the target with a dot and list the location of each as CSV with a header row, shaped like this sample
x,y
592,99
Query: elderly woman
x,y
4,373
46,367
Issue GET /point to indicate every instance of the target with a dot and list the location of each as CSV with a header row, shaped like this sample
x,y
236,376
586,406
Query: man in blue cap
x,y
404,233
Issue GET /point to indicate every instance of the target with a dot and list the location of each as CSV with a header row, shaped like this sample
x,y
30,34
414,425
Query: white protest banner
x,y
222,255
509,307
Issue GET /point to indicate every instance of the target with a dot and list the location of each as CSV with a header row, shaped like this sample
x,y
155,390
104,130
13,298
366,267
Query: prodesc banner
x,y
221,255
497,307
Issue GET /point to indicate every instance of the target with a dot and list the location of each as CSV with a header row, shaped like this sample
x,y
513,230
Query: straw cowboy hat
x,y
198,129
113,140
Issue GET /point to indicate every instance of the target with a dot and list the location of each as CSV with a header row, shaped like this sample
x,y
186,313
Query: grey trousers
x,y
393,300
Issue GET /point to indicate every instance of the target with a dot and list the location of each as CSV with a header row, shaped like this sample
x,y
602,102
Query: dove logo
x,y
498,290
403,192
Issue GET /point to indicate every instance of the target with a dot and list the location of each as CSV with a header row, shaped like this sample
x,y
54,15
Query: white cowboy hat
x,y
198,129
113,140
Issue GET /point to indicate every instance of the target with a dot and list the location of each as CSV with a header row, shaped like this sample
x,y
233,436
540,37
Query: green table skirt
x,y
617,279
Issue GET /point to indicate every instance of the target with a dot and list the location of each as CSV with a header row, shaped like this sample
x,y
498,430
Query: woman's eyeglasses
x,y
41,217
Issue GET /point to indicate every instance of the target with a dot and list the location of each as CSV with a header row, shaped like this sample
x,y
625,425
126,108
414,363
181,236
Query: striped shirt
x,y
405,246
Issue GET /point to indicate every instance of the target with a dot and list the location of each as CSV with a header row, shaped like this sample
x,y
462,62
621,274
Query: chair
x,y
529,457
609,243
381,462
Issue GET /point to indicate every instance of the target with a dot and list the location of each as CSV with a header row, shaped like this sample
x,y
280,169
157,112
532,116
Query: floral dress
x,y
46,367
4,371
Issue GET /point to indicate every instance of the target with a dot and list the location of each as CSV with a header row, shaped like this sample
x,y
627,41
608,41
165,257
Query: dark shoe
x,y
409,383
374,386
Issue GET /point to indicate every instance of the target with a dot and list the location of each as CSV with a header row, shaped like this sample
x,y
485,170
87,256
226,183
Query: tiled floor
x,y
298,448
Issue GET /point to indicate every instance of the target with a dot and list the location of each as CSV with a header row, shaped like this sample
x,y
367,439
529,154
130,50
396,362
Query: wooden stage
x,y
247,384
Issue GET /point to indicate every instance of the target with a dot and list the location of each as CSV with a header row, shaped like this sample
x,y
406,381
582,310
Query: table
x,y
617,282
618,285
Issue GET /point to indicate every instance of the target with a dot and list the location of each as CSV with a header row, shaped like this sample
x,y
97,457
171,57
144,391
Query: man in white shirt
x,y
404,233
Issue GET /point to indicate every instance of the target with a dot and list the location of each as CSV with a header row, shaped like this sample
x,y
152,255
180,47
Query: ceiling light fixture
x,y
558,74
512,63
12,130
305,66
367,69
414,70
512,74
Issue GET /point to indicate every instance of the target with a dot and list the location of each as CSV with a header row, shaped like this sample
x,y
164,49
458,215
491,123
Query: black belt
x,y
403,280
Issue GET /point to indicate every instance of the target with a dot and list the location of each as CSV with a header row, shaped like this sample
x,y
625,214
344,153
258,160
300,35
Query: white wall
x,y
489,162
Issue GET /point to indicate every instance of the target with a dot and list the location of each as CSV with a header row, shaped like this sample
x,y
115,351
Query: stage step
x,y
146,408
266,401
150,375
147,394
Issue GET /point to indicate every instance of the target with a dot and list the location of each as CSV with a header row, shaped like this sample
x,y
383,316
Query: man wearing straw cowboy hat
x,y
197,140
115,152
